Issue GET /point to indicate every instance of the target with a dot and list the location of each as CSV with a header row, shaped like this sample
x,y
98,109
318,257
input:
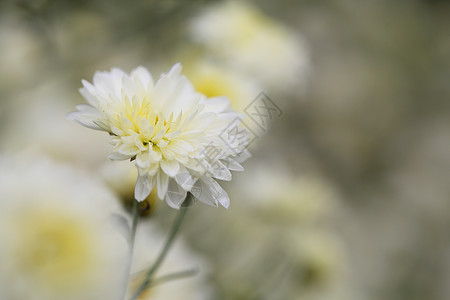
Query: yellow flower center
x,y
55,249
213,83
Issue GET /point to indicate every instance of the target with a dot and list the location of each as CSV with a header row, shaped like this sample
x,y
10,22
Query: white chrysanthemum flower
x,y
214,79
58,237
148,243
253,43
52,135
298,199
180,140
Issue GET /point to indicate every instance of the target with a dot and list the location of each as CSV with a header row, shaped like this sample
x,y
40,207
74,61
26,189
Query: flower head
x,y
179,139
254,44
57,234
215,79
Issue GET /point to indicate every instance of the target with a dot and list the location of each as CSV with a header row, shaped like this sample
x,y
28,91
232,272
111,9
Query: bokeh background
x,y
347,193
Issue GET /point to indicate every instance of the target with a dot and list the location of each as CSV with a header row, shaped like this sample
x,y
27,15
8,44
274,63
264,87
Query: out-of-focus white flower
x,y
35,123
58,238
215,79
253,43
289,199
282,232
149,240
318,255
179,139
120,177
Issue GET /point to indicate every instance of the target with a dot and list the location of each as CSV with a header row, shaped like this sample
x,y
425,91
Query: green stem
x,y
174,276
135,215
173,232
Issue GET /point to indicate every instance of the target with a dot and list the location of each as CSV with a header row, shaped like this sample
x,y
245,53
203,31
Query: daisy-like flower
x,y
181,141
214,79
59,238
253,43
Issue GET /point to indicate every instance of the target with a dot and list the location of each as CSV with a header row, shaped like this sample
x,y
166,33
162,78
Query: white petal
x,y
161,184
175,70
119,156
85,119
88,108
210,192
89,93
128,87
243,156
232,165
201,192
175,194
170,167
182,98
128,149
164,88
219,194
217,104
143,160
152,169
155,155
158,135
185,179
143,75
182,159
188,119
203,120
179,146
108,83
220,171
143,187
146,128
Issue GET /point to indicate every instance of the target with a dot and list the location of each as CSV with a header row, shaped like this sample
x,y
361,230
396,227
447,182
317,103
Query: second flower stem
x,y
135,213
170,238
132,237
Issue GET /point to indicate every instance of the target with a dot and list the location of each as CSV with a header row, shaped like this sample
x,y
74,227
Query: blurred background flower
x,y
245,39
346,196
59,236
